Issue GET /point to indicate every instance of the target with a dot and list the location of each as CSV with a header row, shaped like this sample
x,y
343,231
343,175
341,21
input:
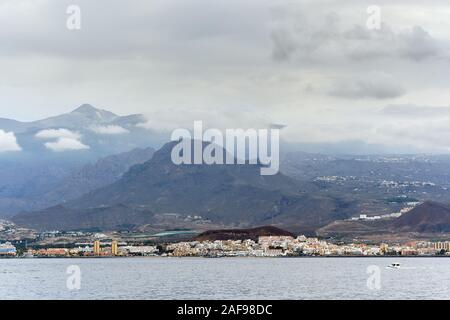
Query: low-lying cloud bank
x,y
8,142
110,130
63,140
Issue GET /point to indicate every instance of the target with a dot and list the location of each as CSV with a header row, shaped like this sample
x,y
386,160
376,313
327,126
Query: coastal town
x,y
265,246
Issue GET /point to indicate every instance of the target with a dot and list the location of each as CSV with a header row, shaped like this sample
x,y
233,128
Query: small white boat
x,y
27,255
394,265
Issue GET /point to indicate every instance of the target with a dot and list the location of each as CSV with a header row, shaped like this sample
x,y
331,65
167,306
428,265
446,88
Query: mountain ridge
x,y
430,216
225,194
54,186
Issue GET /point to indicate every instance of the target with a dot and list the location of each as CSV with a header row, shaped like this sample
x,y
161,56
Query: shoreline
x,y
299,257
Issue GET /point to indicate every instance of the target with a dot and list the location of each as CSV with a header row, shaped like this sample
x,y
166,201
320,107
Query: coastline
x,y
227,257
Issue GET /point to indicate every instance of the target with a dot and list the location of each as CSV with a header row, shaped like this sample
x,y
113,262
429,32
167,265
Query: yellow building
x,y
114,248
384,248
97,247
442,246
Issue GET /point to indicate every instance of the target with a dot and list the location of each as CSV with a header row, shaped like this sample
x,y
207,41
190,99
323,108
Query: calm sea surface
x,y
226,278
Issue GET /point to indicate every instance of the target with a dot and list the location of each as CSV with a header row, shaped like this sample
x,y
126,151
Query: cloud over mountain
x,y
63,140
224,62
57,133
8,142
110,129
64,144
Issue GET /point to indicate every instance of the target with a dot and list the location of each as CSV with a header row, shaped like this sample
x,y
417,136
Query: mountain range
x,y
86,132
103,172
427,220
81,117
53,151
93,169
232,195
39,190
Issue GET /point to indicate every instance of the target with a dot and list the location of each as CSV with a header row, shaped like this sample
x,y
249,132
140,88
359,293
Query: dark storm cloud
x,y
297,35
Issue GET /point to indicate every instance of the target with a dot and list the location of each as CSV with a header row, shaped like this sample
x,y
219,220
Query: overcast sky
x,y
311,65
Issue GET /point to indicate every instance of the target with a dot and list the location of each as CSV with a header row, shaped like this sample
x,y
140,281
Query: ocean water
x,y
226,278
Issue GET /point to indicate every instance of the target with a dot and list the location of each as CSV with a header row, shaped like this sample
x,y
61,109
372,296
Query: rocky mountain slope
x,y
429,217
234,195
50,150
49,186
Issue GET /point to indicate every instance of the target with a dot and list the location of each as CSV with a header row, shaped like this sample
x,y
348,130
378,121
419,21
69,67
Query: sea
x,y
225,278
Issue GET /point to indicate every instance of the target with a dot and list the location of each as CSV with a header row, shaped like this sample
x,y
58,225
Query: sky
x,y
312,65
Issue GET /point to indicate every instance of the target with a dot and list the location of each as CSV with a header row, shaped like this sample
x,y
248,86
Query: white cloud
x,y
8,142
167,59
220,118
160,126
375,85
408,111
110,129
63,140
64,144
57,133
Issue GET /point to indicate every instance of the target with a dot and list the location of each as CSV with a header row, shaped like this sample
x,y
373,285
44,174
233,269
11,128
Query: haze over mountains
x,y
35,189
232,195
90,177
51,150
91,131
92,169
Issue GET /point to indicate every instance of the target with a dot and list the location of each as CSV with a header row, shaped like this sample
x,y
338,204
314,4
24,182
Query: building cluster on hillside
x,y
335,178
10,232
406,184
266,246
274,246
393,215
